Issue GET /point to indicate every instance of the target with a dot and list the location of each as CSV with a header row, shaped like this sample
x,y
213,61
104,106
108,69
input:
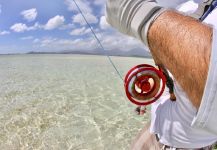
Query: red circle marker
x,y
144,84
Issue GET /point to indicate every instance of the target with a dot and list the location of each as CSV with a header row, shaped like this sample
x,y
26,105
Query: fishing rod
x,y
144,84
97,39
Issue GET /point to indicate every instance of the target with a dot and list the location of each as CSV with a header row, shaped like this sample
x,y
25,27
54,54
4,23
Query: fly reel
x,y
144,84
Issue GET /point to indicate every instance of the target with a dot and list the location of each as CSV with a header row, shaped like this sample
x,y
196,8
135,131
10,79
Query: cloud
x,y
80,31
27,38
35,26
103,23
101,5
56,44
110,41
54,22
80,20
84,5
67,26
0,8
47,42
114,40
20,27
36,40
4,32
30,14
100,2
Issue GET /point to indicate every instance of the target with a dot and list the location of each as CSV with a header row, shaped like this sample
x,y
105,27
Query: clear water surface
x,y
66,102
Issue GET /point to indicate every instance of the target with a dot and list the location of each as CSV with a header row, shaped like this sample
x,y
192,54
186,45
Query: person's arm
x,y
180,42
183,45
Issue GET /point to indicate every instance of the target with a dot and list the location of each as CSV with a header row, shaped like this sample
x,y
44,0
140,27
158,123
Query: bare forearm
x,y
183,45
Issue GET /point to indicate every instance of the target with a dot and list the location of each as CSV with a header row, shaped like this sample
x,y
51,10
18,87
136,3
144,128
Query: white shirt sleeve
x,y
206,117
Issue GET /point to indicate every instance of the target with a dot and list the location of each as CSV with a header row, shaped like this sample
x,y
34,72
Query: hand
x,y
132,17
140,110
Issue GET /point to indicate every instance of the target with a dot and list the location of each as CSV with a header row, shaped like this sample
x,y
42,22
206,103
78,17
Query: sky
x,y
56,25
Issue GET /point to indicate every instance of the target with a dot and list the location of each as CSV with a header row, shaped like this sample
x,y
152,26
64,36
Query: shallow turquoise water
x,y
66,102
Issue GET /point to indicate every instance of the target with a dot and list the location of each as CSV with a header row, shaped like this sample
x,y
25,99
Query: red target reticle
x,y
144,84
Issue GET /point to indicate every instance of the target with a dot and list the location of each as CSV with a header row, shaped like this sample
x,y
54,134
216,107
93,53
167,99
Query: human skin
x,y
183,45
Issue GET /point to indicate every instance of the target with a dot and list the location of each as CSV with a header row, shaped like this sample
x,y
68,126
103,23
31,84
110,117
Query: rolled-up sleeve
x,y
132,17
206,117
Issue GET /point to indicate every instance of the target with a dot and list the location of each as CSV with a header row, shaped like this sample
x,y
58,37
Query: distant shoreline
x,y
53,53
137,52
